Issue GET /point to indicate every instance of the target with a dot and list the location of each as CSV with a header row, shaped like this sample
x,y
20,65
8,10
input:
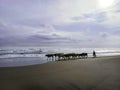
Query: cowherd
x,y
67,56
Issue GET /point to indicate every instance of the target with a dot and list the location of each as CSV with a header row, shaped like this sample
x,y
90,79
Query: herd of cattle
x,y
68,56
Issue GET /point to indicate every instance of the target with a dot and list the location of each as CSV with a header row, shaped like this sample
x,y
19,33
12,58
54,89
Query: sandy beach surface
x,y
101,73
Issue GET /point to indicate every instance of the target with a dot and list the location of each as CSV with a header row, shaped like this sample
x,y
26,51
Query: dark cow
x,y
59,56
84,55
50,56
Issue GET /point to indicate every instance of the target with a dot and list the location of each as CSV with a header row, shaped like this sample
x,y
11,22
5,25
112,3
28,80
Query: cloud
x,y
47,35
92,17
26,35
44,35
113,19
112,15
58,23
108,17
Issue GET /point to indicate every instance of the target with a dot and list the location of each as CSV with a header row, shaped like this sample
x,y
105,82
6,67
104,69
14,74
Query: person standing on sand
x,y
94,54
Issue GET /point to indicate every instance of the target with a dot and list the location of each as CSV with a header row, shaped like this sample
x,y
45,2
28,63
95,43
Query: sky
x,y
62,23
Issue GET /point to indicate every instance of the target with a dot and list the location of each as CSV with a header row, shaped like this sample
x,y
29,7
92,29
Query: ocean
x,y
23,56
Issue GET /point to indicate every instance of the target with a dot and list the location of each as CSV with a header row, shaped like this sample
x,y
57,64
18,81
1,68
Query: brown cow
x,y
50,56
59,56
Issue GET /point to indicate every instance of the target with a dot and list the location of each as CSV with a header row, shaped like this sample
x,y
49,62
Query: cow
x,y
50,56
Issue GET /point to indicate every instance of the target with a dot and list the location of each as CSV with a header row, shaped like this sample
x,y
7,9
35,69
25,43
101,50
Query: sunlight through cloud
x,y
105,3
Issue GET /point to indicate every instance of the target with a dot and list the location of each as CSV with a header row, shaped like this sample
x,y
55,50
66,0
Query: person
x,y
94,54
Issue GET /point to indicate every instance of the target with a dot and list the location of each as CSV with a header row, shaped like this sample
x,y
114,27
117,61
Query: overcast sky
x,y
64,23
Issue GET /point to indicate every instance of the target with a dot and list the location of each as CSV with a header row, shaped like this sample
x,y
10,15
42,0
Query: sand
x,y
101,73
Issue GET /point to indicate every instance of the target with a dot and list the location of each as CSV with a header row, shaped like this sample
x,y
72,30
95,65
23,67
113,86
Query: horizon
x,y
60,23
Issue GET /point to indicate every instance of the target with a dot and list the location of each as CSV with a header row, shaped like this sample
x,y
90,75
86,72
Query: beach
x,y
101,73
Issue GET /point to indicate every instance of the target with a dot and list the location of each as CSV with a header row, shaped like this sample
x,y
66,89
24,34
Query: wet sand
x,y
101,73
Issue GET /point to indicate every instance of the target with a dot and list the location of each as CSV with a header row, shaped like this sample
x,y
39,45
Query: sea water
x,y
22,56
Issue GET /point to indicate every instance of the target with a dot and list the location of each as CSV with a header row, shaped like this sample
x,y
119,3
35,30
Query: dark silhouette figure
x,y
94,54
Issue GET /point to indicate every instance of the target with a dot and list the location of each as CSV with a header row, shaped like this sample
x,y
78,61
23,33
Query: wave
x,y
22,56
31,51
40,52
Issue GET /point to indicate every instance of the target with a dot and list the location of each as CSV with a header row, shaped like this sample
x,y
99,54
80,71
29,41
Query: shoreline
x,y
45,61
101,73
